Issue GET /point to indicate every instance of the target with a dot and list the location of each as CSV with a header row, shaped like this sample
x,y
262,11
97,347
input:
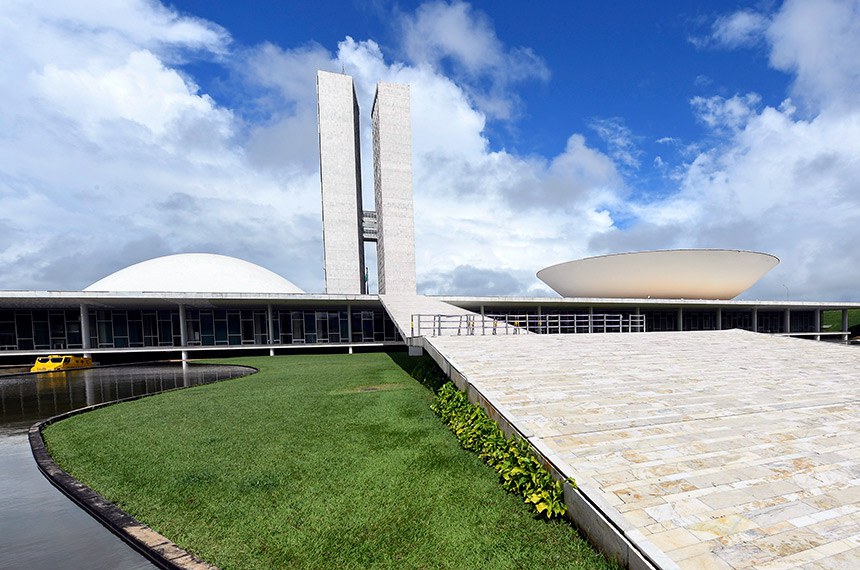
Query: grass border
x,y
153,546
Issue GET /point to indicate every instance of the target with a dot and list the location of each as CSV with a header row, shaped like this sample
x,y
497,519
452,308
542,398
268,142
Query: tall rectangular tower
x,y
392,181
340,178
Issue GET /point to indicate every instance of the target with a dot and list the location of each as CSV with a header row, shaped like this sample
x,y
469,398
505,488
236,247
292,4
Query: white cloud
x,y
619,139
111,155
109,135
106,133
742,28
721,113
454,37
818,41
141,91
772,179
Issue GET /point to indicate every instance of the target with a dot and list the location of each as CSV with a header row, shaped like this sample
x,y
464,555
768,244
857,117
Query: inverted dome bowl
x,y
670,274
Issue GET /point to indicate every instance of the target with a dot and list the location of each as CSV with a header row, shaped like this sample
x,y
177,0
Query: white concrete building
x,y
392,180
667,274
340,180
346,226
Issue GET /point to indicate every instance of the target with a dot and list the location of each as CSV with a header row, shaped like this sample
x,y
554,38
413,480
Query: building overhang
x,y
154,300
558,302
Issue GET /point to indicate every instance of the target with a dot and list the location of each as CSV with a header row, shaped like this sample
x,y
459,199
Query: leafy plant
x,y
428,373
512,458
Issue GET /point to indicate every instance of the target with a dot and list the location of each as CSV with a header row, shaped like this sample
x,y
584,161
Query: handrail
x,y
526,323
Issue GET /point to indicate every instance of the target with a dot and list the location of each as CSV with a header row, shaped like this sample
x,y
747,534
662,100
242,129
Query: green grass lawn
x,y
834,319
319,461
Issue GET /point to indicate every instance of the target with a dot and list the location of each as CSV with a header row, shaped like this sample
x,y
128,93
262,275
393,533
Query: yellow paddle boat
x,y
57,363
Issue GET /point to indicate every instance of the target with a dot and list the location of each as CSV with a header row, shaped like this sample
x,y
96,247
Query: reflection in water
x,y
28,398
39,526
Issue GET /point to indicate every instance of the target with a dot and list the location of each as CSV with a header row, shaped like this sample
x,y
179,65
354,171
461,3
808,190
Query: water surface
x,y
39,527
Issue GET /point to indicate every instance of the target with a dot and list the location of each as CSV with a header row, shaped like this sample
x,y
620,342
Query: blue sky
x,y
633,62
544,134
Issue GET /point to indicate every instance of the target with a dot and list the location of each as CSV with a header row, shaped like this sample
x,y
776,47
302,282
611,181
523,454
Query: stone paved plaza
x,y
722,449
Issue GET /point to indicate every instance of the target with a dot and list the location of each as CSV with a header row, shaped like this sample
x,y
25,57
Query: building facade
x,y
392,180
340,181
346,225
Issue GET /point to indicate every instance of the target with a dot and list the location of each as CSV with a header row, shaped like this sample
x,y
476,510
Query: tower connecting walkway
x,y
712,449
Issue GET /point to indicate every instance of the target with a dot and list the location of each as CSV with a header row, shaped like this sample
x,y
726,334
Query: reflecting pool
x,y
39,526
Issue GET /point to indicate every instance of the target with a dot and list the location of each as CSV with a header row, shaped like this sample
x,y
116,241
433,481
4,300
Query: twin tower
x,y
346,225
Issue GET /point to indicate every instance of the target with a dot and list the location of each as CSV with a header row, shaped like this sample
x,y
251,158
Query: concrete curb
x,y
153,546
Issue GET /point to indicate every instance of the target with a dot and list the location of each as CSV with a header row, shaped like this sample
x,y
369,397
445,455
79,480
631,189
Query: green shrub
x,y
428,373
520,471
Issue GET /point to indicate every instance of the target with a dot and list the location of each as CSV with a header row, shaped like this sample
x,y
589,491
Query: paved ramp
x,y
722,449
418,315
401,309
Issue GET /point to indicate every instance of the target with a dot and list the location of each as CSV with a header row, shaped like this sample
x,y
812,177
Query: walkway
x,y
723,449
401,308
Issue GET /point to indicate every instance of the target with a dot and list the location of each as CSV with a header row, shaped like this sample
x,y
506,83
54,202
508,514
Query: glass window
x,y
247,331
7,334
322,326
298,327
310,326
24,324
261,328
165,333
40,334
58,325
105,333
207,323
135,333
334,327
234,326
120,324
221,331
73,333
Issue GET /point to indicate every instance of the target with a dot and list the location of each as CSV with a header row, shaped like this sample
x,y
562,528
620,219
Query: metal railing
x,y
575,323
470,325
457,325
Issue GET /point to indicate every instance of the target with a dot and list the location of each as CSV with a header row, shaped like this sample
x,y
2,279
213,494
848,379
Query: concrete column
x,y
183,327
719,318
183,332
349,326
590,315
85,330
680,324
786,326
540,322
271,322
845,320
755,319
817,323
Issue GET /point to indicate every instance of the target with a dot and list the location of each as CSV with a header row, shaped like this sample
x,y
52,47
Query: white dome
x,y
195,273
670,274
